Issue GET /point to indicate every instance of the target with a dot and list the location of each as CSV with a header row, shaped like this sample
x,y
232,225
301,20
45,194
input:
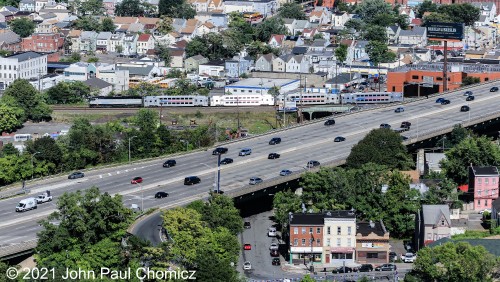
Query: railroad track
x,y
168,109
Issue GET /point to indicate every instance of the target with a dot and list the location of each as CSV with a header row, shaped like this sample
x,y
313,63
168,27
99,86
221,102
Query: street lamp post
x,y
130,139
32,165
142,197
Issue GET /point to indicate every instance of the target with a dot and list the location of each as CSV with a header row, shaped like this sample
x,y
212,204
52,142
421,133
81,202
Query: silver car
x,y
255,180
245,152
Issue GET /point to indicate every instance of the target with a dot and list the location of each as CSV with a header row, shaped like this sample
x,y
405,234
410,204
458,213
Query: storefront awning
x,y
343,250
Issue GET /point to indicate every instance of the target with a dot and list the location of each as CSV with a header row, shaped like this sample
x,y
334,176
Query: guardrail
x,y
6,251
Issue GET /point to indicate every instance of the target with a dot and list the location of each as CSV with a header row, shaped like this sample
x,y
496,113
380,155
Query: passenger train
x,y
245,100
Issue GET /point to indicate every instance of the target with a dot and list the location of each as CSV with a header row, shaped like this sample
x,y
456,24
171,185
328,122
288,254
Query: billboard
x,y
445,30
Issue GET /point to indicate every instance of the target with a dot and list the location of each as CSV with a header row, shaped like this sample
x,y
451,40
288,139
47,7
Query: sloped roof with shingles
x,y
432,213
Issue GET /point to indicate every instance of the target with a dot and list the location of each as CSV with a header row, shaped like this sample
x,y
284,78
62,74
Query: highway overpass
x,y
311,141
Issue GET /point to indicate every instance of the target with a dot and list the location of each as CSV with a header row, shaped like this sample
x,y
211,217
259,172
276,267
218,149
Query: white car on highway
x,y
247,265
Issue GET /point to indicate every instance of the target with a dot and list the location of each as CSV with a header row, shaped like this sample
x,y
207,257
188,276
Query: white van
x,y
26,205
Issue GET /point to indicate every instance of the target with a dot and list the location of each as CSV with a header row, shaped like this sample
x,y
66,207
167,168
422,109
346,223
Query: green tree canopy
x,y
461,13
370,10
274,25
68,93
426,6
23,27
107,24
9,149
284,203
129,8
478,151
379,53
164,26
27,98
375,33
87,23
468,80
211,45
454,262
341,53
219,211
292,10
380,146
11,118
176,9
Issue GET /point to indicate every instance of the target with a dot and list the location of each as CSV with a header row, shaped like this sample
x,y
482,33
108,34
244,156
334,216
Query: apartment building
x,y
25,65
483,182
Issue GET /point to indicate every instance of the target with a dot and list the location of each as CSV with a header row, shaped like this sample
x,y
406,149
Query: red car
x,y
136,180
247,247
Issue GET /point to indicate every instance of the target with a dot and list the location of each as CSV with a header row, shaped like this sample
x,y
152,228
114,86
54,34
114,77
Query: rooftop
x,y
364,228
484,170
262,83
21,57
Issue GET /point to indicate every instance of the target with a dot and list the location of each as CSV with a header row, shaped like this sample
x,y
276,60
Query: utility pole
x,y
445,67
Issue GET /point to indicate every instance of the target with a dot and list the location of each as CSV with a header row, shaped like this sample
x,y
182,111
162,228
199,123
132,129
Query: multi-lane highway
x,y
299,145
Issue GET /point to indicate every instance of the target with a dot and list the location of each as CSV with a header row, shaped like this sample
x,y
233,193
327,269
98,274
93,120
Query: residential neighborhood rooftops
x,y
262,83
25,56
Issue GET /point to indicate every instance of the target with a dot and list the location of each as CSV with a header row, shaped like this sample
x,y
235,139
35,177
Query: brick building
x,y
412,79
372,243
43,42
483,183
306,235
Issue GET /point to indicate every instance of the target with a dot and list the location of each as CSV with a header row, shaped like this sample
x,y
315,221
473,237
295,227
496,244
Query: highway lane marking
x,y
32,217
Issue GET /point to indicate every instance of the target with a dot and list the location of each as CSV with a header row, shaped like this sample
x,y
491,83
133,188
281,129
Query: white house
x,y
27,5
145,42
118,78
212,68
114,41
130,44
416,36
103,41
22,65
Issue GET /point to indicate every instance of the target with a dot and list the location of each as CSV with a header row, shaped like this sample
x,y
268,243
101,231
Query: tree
x,y
426,6
211,46
219,211
259,48
119,49
164,25
12,3
23,27
379,53
436,17
275,25
307,278
176,9
87,23
454,261
27,98
68,93
292,11
49,150
9,150
107,24
369,10
285,202
461,13
355,23
11,118
129,8
341,53
380,146
375,33
146,120
478,151
242,30
445,192
468,80
89,7
164,53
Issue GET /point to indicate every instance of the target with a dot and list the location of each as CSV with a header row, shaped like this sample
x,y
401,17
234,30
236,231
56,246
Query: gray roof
x,y
393,28
416,31
288,21
88,35
485,6
137,70
432,160
27,2
301,24
104,35
491,245
318,218
47,16
319,43
482,18
342,78
43,11
361,44
432,213
485,170
364,228
9,37
21,57
97,83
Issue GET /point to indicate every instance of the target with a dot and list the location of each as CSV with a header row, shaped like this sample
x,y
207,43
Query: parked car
x,y
312,164
399,110
464,109
247,247
445,102
255,180
494,89
276,261
468,93
219,151
330,122
245,152
393,256
439,100
247,225
343,269
136,180
386,267
247,265
160,195
76,175
285,172
273,156
274,253
409,257
191,180
469,98
271,232
275,140
274,246
365,268
385,125
226,161
339,139
169,163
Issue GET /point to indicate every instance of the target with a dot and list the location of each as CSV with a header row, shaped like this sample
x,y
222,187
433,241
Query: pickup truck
x,y
43,198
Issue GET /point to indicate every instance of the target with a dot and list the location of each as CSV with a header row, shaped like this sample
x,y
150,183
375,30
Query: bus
x,y
253,18
22,137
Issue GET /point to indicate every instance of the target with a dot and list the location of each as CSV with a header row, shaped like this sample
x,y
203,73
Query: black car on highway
x,y
385,125
169,163
386,267
365,268
226,161
273,156
276,261
330,122
76,175
469,98
445,102
464,109
312,164
191,180
160,195
343,269
494,89
219,151
339,139
247,225
274,141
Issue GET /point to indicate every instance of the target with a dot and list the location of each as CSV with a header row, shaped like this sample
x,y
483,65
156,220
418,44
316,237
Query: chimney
x,y
372,224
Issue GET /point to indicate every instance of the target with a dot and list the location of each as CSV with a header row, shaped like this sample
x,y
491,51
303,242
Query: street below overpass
x,y
300,144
